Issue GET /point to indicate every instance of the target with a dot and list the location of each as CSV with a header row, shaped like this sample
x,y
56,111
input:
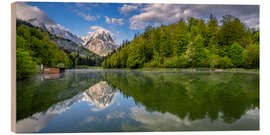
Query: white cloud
x,y
26,12
252,21
115,114
157,14
94,28
117,21
158,121
57,26
86,17
128,8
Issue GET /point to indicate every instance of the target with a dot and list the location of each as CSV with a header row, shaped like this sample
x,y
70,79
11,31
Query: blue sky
x,y
124,20
70,15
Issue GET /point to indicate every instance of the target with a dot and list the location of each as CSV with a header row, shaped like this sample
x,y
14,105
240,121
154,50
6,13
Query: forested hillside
x,y
35,46
192,43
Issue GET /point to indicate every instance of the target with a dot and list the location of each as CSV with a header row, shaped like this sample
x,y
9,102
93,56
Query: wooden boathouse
x,y
51,69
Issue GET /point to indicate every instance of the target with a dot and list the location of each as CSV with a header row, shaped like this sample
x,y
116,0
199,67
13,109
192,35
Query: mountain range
x,y
100,41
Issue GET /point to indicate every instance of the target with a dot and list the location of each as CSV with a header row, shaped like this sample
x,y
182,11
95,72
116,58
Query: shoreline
x,y
241,70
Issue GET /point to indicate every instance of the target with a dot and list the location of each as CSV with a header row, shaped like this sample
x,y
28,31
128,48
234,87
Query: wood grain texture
x,y
13,67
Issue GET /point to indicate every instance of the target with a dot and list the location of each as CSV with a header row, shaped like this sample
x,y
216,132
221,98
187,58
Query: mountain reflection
x,y
101,95
119,100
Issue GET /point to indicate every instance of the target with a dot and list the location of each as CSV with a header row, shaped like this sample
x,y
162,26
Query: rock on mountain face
x,y
100,42
38,18
86,38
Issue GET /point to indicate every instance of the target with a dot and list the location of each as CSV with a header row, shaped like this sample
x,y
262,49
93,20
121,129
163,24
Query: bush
x,y
176,62
216,61
225,62
213,60
251,56
25,65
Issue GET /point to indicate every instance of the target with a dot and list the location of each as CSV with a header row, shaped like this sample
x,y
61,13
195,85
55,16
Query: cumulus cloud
x,y
158,121
157,14
95,28
86,17
128,8
26,12
117,21
35,16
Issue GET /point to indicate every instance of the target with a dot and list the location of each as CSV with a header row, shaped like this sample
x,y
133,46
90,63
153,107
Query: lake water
x,y
96,100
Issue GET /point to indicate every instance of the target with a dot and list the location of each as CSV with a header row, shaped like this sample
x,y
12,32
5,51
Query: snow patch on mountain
x,y
38,18
100,41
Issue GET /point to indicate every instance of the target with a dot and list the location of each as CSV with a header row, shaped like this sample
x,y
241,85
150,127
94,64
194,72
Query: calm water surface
x,y
95,100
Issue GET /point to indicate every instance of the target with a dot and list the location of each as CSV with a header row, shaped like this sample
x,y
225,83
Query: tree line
x,y
35,47
193,43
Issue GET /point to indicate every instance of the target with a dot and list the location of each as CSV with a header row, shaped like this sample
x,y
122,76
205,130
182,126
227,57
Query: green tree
x,y
194,43
196,53
236,54
251,56
232,30
25,65
35,47
180,38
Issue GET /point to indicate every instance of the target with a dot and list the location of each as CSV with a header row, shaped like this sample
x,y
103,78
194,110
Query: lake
x,y
103,100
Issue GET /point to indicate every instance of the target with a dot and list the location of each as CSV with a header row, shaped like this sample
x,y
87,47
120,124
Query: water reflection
x,y
116,100
193,95
100,95
157,121
51,76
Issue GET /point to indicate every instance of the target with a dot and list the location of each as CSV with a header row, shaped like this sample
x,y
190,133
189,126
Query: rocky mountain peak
x,y
100,42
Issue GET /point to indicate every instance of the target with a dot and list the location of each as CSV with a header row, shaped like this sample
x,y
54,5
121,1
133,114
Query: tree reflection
x,y
193,95
35,95
100,95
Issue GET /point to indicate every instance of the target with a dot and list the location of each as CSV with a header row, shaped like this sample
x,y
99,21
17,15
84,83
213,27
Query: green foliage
x,y
236,54
224,62
193,44
251,56
196,53
232,30
36,95
176,62
191,95
35,47
25,65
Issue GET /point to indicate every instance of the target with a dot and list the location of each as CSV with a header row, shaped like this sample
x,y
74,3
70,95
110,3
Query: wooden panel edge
x,y
13,66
